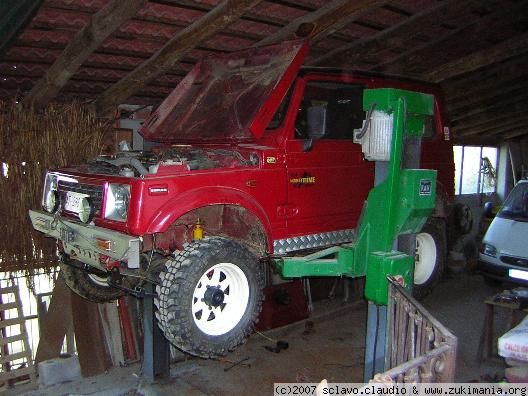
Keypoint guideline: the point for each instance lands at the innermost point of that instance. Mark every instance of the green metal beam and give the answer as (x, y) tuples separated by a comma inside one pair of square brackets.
[(399, 205)]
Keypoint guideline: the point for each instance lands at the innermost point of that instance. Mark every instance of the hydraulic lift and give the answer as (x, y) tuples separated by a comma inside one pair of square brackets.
[(396, 209)]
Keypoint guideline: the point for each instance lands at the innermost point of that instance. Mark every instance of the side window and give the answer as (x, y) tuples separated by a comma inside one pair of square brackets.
[(339, 105)]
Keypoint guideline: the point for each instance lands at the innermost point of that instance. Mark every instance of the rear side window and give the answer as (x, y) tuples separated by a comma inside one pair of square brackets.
[(342, 104)]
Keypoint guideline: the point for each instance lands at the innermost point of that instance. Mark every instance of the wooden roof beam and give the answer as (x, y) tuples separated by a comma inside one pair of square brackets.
[(477, 60), (494, 122), (489, 103), (458, 86), (523, 131), (355, 50), (90, 37), (318, 24), (227, 12), (497, 130), (487, 90), (473, 29)]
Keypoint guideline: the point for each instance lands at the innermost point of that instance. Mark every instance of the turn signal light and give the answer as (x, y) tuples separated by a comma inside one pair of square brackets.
[(103, 244)]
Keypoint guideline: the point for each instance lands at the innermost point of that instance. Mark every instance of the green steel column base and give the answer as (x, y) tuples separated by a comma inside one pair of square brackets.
[(382, 264)]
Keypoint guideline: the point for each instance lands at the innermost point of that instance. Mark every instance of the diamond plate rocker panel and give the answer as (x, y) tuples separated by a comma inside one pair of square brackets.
[(283, 246)]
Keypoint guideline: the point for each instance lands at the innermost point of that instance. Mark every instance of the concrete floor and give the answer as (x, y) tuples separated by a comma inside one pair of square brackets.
[(333, 350)]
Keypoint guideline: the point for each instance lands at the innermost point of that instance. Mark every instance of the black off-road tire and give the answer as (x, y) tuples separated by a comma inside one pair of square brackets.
[(433, 232), (181, 279), (82, 284)]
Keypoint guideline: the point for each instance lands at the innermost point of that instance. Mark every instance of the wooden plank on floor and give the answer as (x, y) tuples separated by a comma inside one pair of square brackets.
[(55, 323), (89, 337)]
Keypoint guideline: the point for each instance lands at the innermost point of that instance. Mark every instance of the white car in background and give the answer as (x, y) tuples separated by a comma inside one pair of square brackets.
[(504, 251)]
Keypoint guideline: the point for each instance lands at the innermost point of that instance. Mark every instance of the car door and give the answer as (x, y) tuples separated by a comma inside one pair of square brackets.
[(328, 179)]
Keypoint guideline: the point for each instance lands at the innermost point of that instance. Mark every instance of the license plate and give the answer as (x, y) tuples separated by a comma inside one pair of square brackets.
[(73, 201), (518, 274)]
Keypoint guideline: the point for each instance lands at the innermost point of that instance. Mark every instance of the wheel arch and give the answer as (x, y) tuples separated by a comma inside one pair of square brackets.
[(219, 209)]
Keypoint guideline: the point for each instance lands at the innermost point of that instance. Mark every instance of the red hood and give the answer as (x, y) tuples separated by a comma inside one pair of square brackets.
[(227, 97)]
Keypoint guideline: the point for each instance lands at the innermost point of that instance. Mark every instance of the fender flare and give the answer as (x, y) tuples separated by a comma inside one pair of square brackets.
[(194, 199)]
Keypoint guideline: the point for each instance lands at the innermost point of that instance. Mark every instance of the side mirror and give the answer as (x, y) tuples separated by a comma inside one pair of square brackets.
[(316, 117), (488, 210)]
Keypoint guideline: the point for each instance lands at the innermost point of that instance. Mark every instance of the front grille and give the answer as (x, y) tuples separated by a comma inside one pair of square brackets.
[(521, 262), (95, 193)]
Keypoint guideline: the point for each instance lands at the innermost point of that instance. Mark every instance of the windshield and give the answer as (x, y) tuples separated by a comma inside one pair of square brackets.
[(225, 95), (516, 205)]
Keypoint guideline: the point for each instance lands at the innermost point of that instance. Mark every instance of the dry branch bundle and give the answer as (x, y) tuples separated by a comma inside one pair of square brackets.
[(31, 143)]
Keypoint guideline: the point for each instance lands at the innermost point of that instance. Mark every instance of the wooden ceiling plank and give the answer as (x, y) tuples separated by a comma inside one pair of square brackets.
[(324, 21), (497, 130), (101, 25), (175, 49), (486, 89), (14, 15), (485, 116), (458, 86), (358, 48), (492, 122), (517, 134), (473, 27), (488, 103), (477, 60)]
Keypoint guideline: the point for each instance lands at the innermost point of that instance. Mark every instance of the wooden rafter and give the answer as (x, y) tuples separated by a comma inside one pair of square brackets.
[(472, 29), (496, 129), (175, 49), (497, 53), (101, 25), (355, 50), (492, 121), (518, 133), (461, 85), (487, 89), (327, 19), (489, 103), (14, 14)]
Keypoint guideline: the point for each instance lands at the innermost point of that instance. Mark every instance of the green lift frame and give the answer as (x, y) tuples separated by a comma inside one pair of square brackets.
[(400, 204)]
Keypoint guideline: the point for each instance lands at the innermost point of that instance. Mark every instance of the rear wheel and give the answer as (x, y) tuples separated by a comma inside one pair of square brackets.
[(210, 297), (429, 258), (93, 287)]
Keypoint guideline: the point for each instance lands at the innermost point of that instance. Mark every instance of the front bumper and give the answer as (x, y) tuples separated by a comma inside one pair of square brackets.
[(500, 272), (83, 241)]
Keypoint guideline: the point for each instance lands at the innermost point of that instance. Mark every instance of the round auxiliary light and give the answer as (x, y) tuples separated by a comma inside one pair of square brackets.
[(86, 210), (51, 202)]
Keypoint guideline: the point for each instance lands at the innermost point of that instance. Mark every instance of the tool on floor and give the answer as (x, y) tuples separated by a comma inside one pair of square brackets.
[(246, 360), (396, 209), (279, 346)]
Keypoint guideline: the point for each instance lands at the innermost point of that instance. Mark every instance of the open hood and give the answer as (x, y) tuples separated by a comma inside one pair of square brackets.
[(227, 97)]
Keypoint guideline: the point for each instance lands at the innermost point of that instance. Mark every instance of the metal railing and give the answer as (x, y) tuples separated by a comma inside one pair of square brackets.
[(419, 347)]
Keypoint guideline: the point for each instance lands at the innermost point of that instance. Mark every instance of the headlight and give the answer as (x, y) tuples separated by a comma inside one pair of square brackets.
[(117, 197), (488, 250), (50, 197)]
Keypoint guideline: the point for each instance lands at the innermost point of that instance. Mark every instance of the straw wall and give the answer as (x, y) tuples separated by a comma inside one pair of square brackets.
[(30, 143)]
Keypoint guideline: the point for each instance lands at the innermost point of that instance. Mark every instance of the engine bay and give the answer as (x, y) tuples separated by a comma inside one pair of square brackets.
[(167, 160)]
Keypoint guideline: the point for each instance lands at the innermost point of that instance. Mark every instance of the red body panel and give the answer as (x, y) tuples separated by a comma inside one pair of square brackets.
[(291, 192)]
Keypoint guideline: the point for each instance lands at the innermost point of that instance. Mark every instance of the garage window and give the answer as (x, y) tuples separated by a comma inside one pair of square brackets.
[(475, 169)]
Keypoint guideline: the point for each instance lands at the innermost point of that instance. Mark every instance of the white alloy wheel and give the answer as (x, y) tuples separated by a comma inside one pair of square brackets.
[(425, 258), (98, 280), (220, 299)]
